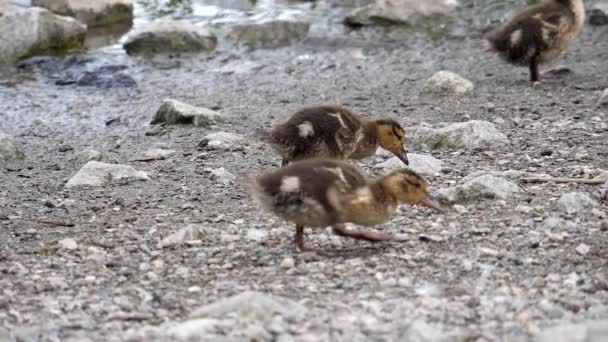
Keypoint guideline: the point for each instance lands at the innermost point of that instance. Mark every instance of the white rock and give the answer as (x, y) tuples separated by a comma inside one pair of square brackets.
[(574, 202), (221, 175), (68, 243), (474, 134), (479, 188), (461, 209), (157, 153), (252, 306), (92, 13), (96, 173), (590, 331), (447, 82), (398, 11), (583, 249), (257, 235), (8, 149), (270, 29), (420, 163), (169, 36), (26, 32), (288, 263), (223, 141), (603, 101), (417, 331), (189, 233), (202, 329), (175, 112)]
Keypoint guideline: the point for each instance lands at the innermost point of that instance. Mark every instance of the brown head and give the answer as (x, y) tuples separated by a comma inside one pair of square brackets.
[(391, 137), (408, 187)]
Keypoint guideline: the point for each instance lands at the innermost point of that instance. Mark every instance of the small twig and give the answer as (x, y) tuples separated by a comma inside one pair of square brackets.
[(593, 181)]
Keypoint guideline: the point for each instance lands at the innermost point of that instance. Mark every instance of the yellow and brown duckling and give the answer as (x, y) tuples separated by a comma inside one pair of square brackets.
[(334, 132), (322, 192), (538, 34)]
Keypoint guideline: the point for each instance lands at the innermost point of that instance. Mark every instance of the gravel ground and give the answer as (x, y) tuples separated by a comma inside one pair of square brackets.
[(493, 269)]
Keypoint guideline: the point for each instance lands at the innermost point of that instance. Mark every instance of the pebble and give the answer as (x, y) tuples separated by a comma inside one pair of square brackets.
[(288, 263), (461, 209), (68, 243), (195, 289), (583, 249)]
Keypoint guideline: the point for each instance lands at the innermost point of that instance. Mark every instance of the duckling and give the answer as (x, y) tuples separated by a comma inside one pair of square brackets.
[(538, 34), (323, 192), (334, 132)]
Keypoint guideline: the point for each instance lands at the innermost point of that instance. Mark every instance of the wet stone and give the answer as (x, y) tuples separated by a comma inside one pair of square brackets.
[(165, 36), (35, 30), (92, 13), (270, 30)]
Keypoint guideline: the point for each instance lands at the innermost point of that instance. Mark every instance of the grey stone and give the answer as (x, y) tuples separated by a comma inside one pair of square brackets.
[(96, 173), (92, 13), (473, 134), (169, 36), (221, 175), (447, 82), (31, 31), (574, 202), (553, 223), (189, 233), (8, 149), (223, 141), (479, 188), (421, 331), (174, 112), (591, 331), (85, 156), (251, 306), (157, 154), (270, 29), (398, 11), (420, 163), (598, 15), (603, 101)]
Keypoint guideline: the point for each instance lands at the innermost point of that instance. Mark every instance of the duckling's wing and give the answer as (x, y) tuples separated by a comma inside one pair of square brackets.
[(298, 192), (318, 131)]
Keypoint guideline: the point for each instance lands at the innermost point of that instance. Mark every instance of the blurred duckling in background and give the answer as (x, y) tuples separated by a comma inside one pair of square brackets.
[(334, 132), (323, 192), (538, 34)]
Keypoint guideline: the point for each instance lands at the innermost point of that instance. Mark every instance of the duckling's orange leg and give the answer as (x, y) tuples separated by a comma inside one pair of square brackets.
[(341, 230), (300, 240)]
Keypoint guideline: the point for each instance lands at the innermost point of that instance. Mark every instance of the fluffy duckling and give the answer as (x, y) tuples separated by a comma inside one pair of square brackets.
[(538, 34), (334, 132), (322, 192)]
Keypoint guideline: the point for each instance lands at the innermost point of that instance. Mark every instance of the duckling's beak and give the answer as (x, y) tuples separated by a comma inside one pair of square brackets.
[(431, 202), (402, 155)]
